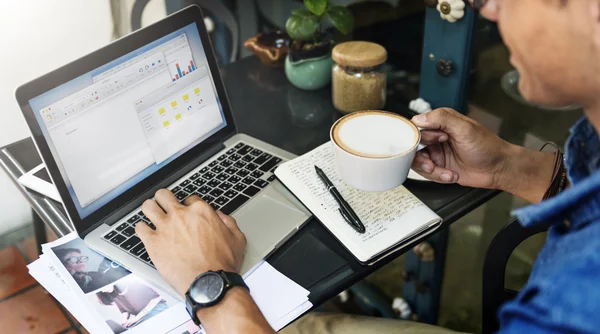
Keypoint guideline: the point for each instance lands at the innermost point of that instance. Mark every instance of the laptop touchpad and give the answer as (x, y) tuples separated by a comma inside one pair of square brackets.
[(266, 221)]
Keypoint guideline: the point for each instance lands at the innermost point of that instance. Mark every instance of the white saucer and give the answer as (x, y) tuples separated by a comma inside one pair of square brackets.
[(416, 177)]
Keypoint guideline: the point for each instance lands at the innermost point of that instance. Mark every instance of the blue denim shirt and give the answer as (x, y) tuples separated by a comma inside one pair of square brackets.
[(563, 291)]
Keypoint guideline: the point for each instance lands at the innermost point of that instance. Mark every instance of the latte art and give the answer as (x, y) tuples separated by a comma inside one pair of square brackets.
[(375, 134)]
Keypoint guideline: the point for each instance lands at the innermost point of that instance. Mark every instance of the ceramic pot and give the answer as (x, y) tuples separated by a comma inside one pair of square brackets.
[(310, 73), (270, 47)]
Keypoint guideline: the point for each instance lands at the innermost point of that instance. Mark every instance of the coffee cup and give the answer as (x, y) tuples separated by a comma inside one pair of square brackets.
[(374, 149)]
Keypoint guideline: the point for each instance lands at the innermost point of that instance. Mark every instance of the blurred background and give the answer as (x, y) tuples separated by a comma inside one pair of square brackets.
[(39, 36)]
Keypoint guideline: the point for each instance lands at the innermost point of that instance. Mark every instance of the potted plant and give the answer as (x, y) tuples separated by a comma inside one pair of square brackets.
[(308, 63)]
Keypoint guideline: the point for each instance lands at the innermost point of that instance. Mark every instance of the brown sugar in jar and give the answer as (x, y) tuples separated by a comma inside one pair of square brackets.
[(358, 83)]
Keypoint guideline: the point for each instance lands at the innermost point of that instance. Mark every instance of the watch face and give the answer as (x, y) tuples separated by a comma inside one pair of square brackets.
[(207, 288)]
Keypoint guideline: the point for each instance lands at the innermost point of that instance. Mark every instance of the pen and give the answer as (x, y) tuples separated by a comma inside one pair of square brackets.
[(345, 210)]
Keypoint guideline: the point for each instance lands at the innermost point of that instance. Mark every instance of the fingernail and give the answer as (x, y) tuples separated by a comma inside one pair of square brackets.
[(454, 177), (443, 138), (425, 154), (420, 119), (426, 168), (445, 177)]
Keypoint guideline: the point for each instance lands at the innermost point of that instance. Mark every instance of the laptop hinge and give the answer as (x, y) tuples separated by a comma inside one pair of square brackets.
[(149, 193)]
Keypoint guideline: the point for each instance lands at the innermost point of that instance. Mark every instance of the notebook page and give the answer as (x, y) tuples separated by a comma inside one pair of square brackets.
[(388, 217)]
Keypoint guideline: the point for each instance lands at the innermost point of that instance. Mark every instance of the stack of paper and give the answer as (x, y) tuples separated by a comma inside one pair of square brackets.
[(106, 298)]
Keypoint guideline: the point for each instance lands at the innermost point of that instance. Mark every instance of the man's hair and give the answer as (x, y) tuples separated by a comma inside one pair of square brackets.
[(63, 252), (107, 298)]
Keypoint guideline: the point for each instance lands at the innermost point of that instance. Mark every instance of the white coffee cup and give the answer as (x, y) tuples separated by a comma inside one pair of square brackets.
[(374, 149)]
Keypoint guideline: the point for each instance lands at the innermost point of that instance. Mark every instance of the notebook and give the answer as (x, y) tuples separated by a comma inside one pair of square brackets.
[(392, 219)]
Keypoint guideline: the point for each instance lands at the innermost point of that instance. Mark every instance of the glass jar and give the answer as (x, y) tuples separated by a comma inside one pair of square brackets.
[(358, 82)]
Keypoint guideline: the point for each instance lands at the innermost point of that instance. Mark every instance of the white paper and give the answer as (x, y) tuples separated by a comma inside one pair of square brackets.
[(280, 299), (389, 217)]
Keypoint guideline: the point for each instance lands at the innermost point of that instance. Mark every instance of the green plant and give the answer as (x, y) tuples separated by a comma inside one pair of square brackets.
[(306, 24)]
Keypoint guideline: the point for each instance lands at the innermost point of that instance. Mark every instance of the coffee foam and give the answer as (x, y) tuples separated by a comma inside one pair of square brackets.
[(375, 134)]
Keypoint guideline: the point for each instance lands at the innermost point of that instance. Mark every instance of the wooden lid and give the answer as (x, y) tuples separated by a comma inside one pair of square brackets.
[(359, 54)]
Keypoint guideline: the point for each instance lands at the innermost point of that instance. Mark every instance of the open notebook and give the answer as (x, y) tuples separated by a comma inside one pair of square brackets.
[(391, 218)]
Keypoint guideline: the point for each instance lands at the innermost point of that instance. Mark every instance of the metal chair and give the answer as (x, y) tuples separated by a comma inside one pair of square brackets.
[(216, 8), (494, 293)]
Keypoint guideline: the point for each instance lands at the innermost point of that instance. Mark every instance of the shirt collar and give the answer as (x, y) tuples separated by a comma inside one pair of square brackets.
[(581, 202)]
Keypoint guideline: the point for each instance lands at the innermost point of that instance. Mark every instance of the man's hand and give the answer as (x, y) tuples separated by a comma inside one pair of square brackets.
[(190, 239), (460, 150)]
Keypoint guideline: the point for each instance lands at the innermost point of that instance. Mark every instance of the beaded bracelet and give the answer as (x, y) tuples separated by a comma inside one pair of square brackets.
[(558, 183)]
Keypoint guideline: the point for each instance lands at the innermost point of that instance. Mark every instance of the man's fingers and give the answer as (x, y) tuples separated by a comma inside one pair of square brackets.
[(153, 212), (191, 200), (428, 169), (166, 200), (145, 233), (229, 222), (444, 119), (432, 137)]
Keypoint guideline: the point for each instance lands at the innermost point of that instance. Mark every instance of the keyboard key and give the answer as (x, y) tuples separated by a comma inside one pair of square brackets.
[(272, 178), (221, 200), (213, 163), (239, 145), (122, 227), (176, 189), (226, 163), (190, 188), (199, 182), (145, 257), (138, 250), (184, 183), (230, 152), (181, 195), (262, 159), (234, 204), (248, 180), (204, 170), (215, 206), (251, 191), (118, 239), (204, 190), (222, 177), (213, 183), (234, 179), (230, 193), (217, 169), (261, 183), (226, 185), (256, 152), (273, 169), (142, 215), (216, 192), (109, 235), (242, 173), (208, 198), (251, 167), (132, 219), (194, 176), (247, 158), (245, 150), (130, 243), (135, 223), (257, 174), (235, 157), (239, 187), (231, 170), (221, 158), (270, 164), (239, 164), (129, 231), (208, 175)]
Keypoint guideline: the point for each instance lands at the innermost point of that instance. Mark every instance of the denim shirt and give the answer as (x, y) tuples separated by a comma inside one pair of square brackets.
[(563, 291)]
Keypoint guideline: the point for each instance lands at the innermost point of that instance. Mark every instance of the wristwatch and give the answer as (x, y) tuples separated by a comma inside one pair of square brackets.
[(208, 289)]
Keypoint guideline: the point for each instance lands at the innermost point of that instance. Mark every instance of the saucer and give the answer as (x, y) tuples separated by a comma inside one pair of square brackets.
[(417, 177)]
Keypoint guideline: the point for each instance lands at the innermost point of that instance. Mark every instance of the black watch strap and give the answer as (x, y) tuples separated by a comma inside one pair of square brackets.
[(234, 279)]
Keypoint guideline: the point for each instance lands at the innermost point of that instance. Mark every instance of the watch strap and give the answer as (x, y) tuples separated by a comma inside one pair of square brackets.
[(233, 279)]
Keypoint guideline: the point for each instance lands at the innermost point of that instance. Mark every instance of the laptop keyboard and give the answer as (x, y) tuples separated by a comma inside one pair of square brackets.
[(226, 183)]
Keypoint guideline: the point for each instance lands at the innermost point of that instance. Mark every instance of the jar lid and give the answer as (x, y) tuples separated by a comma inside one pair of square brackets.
[(359, 54)]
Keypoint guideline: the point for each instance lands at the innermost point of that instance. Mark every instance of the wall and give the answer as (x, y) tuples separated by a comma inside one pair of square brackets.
[(37, 37)]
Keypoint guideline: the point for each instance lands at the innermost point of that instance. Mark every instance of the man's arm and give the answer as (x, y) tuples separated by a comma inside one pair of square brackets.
[(191, 239)]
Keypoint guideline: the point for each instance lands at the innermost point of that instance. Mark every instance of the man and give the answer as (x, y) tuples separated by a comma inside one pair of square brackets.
[(555, 45)]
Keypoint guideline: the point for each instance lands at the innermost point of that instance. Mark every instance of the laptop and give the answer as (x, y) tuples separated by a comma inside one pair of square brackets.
[(150, 111)]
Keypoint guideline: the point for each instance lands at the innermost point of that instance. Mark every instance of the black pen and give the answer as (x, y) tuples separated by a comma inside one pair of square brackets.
[(345, 210)]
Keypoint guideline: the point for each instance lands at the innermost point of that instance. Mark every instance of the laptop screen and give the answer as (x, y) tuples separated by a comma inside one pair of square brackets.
[(116, 125)]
